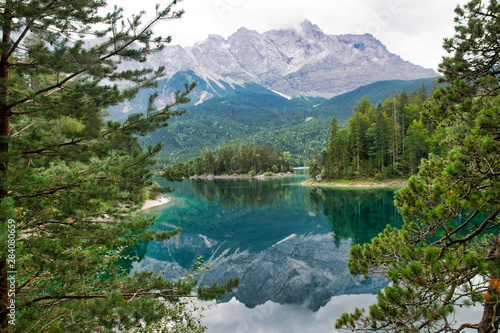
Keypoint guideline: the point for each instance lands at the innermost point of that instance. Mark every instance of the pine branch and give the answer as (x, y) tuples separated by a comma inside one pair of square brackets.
[(56, 86), (149, 154), (464, 326), (137, 36), (22, 130), (48, 192), (124, 295), (108, 178), (447, 237), (31, 278), (116, 52), (475, 232), (42, 150), (164, 112), (25, 32), (21, 64)]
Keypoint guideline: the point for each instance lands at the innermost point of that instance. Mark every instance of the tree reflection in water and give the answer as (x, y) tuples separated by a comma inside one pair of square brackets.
[(273, 233)]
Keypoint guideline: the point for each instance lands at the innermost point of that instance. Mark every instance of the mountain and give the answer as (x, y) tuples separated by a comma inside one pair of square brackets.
[(211, 95), (376, 93), (305, 270), (300, 61), (282, 87)]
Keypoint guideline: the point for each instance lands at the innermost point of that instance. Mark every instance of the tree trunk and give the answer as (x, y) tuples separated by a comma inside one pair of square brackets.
[(5, 113), (4, 99), (491, 314)]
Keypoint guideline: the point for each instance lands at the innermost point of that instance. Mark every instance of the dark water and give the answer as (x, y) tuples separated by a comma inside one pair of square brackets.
[(288, 243)]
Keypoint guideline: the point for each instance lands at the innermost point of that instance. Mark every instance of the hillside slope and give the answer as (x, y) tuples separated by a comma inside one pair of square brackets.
[(255, 115)]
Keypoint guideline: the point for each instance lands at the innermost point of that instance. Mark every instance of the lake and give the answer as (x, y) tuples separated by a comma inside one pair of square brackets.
[(288, 243)]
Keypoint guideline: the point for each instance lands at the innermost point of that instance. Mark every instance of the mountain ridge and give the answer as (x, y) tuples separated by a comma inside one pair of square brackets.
[(270, 88), (294, 62)]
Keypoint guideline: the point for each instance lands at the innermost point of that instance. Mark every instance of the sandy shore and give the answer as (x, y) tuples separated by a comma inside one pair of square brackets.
[(154, 203), (395, 183)]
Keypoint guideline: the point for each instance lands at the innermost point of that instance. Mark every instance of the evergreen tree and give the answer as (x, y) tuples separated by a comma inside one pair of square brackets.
[(416, 145), (209, 162), (376, 140), (448, 252), (64, 169), (358, 124), (314, 168), (331, 155)]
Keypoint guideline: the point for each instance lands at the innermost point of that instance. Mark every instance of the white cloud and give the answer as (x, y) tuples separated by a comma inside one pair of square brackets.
[(275, 318), (412, 29)]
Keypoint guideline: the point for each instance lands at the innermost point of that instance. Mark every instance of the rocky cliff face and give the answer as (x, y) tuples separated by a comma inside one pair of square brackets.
[(302, 61), (302, 270)]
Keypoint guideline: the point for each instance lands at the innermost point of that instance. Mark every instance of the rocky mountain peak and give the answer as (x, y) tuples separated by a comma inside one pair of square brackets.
[(244, 32), (294, 61), (214, 38), (311, 29)]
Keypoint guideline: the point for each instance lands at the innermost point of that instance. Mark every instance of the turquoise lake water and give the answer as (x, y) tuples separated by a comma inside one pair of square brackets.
[(288, 243)]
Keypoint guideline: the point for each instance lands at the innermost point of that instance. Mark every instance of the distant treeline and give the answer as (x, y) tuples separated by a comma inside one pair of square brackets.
[(236, 159), (386, 140)]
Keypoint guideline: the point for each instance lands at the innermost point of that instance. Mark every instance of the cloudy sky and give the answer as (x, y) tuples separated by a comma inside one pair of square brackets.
[(410, 28)]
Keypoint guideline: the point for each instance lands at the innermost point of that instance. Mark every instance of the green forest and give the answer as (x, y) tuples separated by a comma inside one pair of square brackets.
[(257, 116), (252, 160), (382, 141)]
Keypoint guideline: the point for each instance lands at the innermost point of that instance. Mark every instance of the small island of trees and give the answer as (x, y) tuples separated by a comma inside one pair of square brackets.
[(383, 141), (248, 160)]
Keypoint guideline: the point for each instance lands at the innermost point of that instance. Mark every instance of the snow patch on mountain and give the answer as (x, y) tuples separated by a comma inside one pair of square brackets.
[(292, 62), (282, 95)]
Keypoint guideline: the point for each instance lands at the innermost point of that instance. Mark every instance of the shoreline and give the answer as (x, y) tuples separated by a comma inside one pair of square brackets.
[(159, 201), (354, 184), (243, 176)]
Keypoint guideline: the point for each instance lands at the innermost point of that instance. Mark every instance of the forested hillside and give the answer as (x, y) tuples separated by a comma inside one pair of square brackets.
[(257, 116), (384, 140)]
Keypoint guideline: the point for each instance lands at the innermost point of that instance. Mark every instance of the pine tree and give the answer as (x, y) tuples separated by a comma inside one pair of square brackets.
[(64, 168), (416, 146), (378, 135), (314, 168), (331, 155), (209, 162), (447, 254), (358, 125)]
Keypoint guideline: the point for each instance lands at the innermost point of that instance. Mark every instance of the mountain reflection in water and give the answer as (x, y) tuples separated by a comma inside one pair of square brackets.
[(288, 243)]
